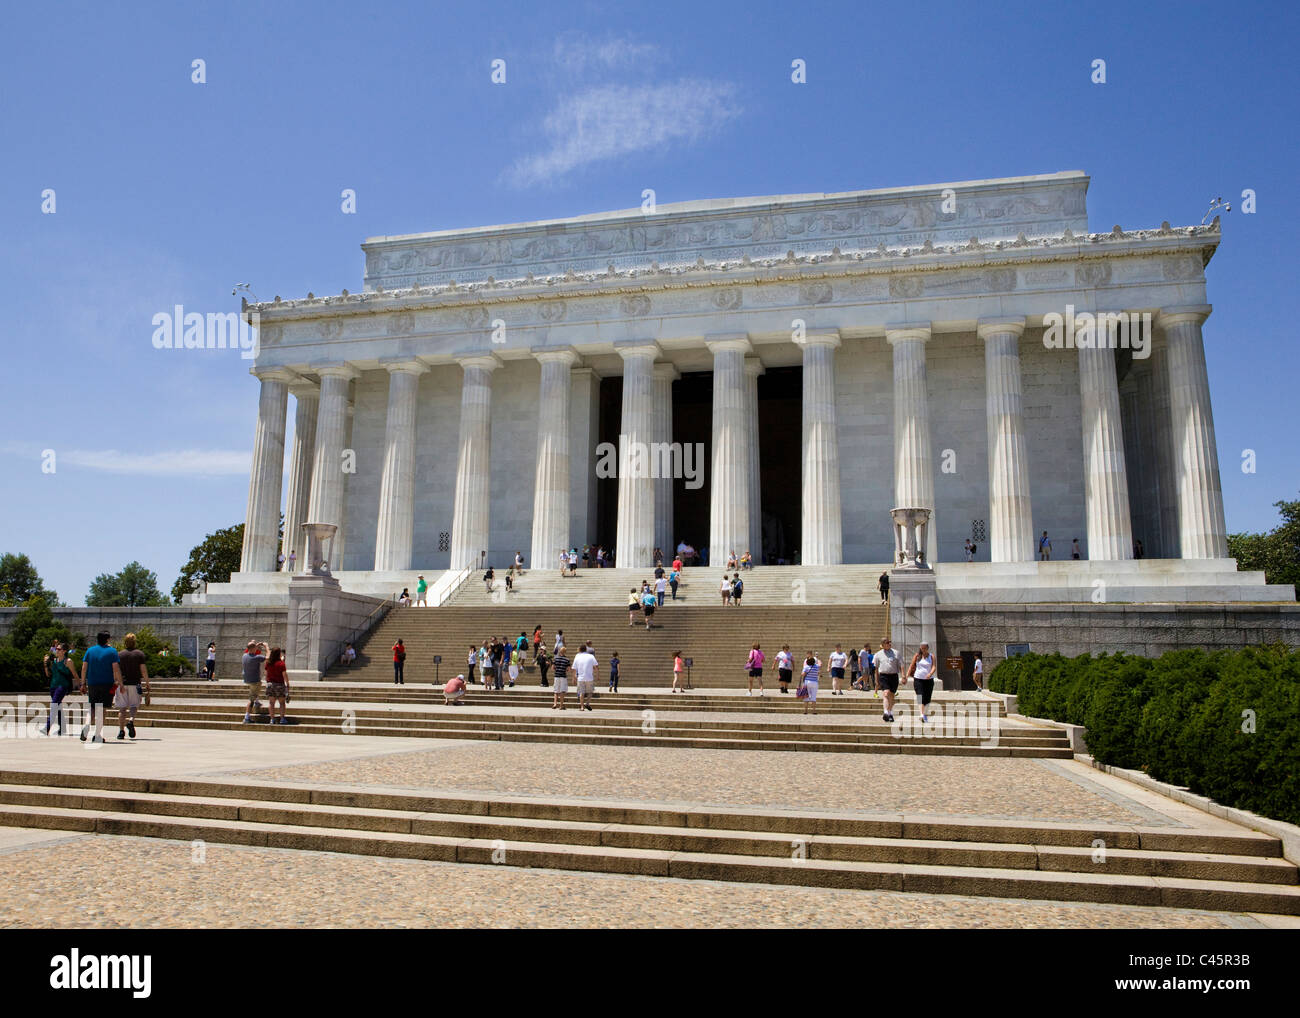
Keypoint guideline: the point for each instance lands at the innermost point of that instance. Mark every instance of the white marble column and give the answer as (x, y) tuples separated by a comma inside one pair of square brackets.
[(1201, 527), (822, 540), (729, 482), (636, 506), (1011, 521), (551, 487), (754, 368), (1110, 528), (471, 514), (307, 397), (262, 520), (664, 376), (327, 479), (913, 453), (395, 531)]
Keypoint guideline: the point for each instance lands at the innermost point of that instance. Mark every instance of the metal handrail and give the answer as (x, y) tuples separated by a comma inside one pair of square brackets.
[(369, 622)]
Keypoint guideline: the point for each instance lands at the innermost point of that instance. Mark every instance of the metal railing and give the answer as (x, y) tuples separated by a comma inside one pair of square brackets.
[(376, 615)]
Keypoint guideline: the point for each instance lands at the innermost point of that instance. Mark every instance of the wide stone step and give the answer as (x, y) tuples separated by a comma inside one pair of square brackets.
[(973, 868)]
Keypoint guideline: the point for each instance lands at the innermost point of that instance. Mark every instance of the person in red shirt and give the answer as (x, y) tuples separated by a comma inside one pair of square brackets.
[(454, 690), (677, 564), (277, 685), (399, 664)]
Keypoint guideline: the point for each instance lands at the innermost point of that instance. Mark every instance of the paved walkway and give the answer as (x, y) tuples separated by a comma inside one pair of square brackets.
[(167, 885)]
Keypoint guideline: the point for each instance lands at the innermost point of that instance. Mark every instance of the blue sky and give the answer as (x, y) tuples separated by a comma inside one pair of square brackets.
[(170, 192)]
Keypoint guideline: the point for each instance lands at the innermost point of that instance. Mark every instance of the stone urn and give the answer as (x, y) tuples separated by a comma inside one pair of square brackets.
[(320, 546), (910, 525)]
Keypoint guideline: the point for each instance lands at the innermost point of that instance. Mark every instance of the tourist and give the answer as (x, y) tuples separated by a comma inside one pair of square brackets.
[(584, 669), (573, 562), (405, 599), (677, 563), (538, 637), (883, 586), (1075, 551), (510, 582), (724, 589), (614, 665), (277, 686), (586, 559), (1044, 547), (633, 606), (543, 663), (421, 592), (100, 671), (254, 657), (58, 670), (212, 662), (399, 663), (809, 681), (349, 655), (674, 578), (127, 698), (648, 606), (754, 668), (454, 690), (747, 560), (657, 556), (471, 661), (559, 641), (564, 563), (855, 669), (887, 665), (485, 664), (922, 671), (970, 550), (1138, 550), (279, 562), (293, 558), (499, 662), (519, 563), (661, 590), (489, 578), (737, 589), (784, 667), (516, 659), (561, 678), (838, 660), (678, 667), (977, 673), (867, 667), (732, 562)]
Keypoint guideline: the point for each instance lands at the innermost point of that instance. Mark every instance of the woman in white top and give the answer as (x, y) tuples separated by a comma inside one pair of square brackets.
[(811, 671), (724, 588), (838, 661), (922, 671), (784, 667)]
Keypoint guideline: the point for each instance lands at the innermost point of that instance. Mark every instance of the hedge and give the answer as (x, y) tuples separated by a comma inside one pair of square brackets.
[(1225, 724)]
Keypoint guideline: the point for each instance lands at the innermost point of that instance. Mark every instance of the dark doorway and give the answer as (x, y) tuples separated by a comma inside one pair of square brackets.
[(968, 668), (780, 451), (609, 420), (693, 423)]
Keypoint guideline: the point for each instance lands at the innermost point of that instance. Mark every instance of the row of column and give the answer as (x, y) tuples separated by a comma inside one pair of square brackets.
[(316, 476)]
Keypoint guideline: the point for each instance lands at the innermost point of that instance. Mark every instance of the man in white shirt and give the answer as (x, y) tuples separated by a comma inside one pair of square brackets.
[(978, 673), (661, 588), (584, 670), (887, 668)]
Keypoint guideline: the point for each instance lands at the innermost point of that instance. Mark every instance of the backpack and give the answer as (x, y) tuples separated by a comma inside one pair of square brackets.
[(974, 548)]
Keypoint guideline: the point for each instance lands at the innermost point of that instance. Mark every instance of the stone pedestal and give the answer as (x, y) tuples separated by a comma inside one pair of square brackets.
[(912, 619)]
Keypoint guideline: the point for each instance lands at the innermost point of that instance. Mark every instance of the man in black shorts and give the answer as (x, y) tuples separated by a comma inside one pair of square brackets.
[(887, 668)]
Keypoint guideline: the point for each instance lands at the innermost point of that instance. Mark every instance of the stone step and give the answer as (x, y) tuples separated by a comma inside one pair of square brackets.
[(1002, 870)]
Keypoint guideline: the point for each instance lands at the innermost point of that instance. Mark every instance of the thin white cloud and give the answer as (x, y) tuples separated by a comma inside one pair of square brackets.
[(173, 463), (609, 121), (576, 52)]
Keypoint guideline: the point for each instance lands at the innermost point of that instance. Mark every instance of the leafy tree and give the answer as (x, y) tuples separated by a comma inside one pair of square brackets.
[(134, 587), (20, 582), (211, 562), (1277, 553), (23, 650)]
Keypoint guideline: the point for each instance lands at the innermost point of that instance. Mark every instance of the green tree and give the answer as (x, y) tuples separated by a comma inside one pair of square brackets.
[(20, 582), (211, 562), (1277, 553), (23, 650), (134, 587)]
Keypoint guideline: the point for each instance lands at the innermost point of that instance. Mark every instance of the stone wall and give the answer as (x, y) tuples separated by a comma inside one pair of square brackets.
[(230, 627), (1150, 630)]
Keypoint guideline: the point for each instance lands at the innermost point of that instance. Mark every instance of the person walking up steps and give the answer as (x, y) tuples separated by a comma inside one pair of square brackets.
[(674, 578), (421, 592), (809, 681), (784, 667), (254, 657), (399, 664), (883, 586), (614, 665), (754, 666), (561, 678), (538, 639), (648, 606), (127, 698), (838, 660), (633, 606), (887, 665), (922, 671)]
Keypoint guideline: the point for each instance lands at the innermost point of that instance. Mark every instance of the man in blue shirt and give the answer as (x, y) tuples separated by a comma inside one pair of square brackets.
[(100, 672)]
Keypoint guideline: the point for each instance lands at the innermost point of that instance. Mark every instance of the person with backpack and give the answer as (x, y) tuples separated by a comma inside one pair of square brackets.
[(737, 590), (754, 667), (399, 663), (58, 669)]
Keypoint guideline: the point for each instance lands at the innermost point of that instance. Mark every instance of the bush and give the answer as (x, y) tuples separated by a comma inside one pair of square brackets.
[(1224, 724)]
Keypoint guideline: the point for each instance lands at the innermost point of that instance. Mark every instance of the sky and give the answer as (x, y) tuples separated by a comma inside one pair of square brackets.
[(170, 191)]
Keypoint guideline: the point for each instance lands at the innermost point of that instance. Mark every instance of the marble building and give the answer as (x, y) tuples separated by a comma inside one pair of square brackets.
[(833, 356)]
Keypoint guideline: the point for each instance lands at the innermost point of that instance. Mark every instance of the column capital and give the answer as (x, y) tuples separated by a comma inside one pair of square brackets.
[(484, 361), (1013, 324), (626, 348), (898, 332), (1181, 313), (304, 389), (820, 337), (666, 371), (754, 366), (403, 365), (275, 375), (728, 341), (579, 370), (335, 369), (555, 354)]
